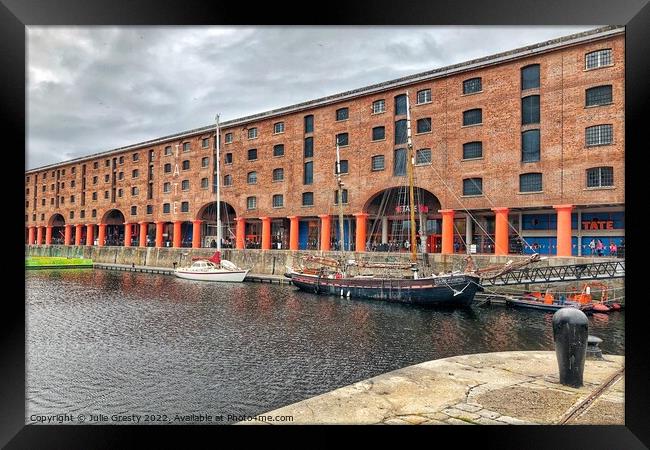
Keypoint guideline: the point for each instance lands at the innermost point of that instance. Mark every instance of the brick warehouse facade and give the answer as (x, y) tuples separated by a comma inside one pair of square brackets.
[(528, 141)]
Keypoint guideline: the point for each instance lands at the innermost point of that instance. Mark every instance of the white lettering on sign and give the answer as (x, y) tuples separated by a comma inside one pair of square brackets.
[(175, 207), (177, 150), (176, 172), (175, 188)]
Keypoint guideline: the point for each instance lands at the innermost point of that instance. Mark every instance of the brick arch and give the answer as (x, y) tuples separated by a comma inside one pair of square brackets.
[(111, 217), (56, 220), (428, 197), (208, 211)]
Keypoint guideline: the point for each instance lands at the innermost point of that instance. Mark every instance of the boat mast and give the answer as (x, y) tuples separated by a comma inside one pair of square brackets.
[(218, 161), (409, 168), (340, 194)]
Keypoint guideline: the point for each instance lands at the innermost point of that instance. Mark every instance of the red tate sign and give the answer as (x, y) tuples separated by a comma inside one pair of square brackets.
[(598, 225), (407, 209)]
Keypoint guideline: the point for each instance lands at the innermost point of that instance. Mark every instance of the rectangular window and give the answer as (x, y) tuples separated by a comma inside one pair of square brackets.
[(252, 133), (600, 177), (82, 214), (278, 201), (136, 156), (167, 168), (228, 158), (309, 147), (134, 190), (599, 58), (344, 166), (186, 164), (342, 139), (227, 180), (251, 202), (400, 132), (167, 188), (168, 150), (134, 210), (185, 206), (530, 109), (107, 163), (205, 142), (400, 105), (472, 85), (399, 162), (278, 150), (344, 194), (94, 195), (473, 150), (121, 159), (152, 155), (186, 146), (106, 179), (309, 124), (472, 117), (599, 95), (378, 106), (378, 133), (424, 125), (205, 161), (530, 146), (149, 209), (251, 178), (423, 156), (530, 77), (204, 183), (473, 186), (166, 208), (530, 182), (308, 176), (105, 194), (599, 135), (252, 154), (278, 174), (278, 127), (95, 166), (342, 114), (185, 185), (228, 138), (424, 96), (72, 214), (307, 198), (135, 173), (72, 199)]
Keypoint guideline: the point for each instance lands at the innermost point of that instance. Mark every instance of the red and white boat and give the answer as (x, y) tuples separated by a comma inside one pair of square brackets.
[(212, 269)]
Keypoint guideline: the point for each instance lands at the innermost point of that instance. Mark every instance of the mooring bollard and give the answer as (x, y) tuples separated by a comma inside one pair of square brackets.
[(593, 351), (570, 331)]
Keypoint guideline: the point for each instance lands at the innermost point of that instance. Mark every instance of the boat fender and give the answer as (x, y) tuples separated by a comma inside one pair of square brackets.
[(348, 294), (601, 308)]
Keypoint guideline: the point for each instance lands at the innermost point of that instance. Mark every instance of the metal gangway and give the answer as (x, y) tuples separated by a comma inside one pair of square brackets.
[(550, 274)]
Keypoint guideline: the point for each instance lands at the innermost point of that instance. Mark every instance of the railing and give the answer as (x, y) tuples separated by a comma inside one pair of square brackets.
[(529, 275)]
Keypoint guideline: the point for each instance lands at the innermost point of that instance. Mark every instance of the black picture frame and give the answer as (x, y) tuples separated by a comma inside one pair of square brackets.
[(16, 15)]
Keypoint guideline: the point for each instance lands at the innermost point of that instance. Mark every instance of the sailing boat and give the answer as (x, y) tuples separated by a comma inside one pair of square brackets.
[(214, 268), (335, 277)]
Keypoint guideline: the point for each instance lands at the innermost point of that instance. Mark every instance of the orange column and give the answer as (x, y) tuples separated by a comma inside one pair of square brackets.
[(68, 235), (266, 233), (325, 232), (563, 229), (177, 234), (501, 231), (196, 233), (241, 231), (39, 235), (48, 235), (32, 236), (77, 234), (361, 231), (127, 234), (447, 231), (90, 234), (143, 233), (101, 237), (159, 234), (293, 232)]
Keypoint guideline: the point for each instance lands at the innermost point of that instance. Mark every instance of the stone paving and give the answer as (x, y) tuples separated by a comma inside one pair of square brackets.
[(506, 388)]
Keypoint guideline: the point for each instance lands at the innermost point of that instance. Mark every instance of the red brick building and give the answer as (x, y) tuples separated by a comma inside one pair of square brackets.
[(527, 142)]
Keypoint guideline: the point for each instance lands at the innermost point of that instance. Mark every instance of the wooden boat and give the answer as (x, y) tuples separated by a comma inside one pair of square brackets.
[(544, 303)]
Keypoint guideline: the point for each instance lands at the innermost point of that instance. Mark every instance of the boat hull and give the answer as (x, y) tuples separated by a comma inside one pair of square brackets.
[(533, 304), (444, 291), (224, 275)]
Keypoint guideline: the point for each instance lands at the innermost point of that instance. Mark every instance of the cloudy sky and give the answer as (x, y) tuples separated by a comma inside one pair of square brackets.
[(92, 89)]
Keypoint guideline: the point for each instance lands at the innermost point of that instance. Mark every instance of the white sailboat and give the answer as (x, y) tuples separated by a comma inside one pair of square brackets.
[(214, 268)]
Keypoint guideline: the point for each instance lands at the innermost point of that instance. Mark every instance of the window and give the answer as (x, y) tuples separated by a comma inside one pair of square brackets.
[(307, 199), (308, 175), (185, 206), (599, 135), (94, 195), (600, 177), (344, 166), (309, 147), (72, 214), (378, 106), (472, 85), (228, 138), (107, 164), (204, 183), (93, 213), (168, 168), (95, 166), (134, 210), (82, 214), (251, 202), (186, 164), (251, 178), (530, 148), (400, 132), (344, 194), (599, 58), (342, 114), (52, 186), (530, 182), (530, 109), (227, 180), (72, 199), (186, 146), (278, 174), (472, 117), (473, 150), (599, 95), (167, 188), (134, 190), (400, 105), (121, 159), (166, 208), (228, 158), (44, 175), (63, 172), (399, 162), (309, 124), (424, 96), (43, 187), (105, 194), (342, 139), (106, 179), (42, 216), (278, 150), (205, 161), (43, 202), (135, 173), (63, 185), (278, 127), (252, 154), (473, 186), (120, 192), (423, 156), (27, 204), (185, 185), (168, 150), (136, 156), (252, 133), (530, 77), (424, 125), (378, 133), (152, 155), (149, 209), (278, 201), (205, 142)]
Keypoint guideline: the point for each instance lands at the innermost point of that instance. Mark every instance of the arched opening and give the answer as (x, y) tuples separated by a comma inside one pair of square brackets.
[(389, 220), (114, 221), (208, 214), (57, 222)]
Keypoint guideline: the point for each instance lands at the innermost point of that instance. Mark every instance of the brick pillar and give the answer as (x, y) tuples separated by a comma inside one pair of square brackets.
[(90, 234), (39, 235), (143, 233), (32, 235), (362, 219), (447, 231), (128, 231), (177, 234), (196, 233), (101, 237), (266, 233), (159, 234), (563, 229), (293, 232), (240, 233), (325, 232), (77, 234), (67, 238), (501, 231)]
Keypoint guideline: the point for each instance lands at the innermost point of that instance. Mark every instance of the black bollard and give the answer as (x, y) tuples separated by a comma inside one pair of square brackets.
[(570, 331)]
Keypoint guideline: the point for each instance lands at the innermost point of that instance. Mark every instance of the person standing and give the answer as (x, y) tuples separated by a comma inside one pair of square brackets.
[(592, 247), (600, 247), (612, 249)]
